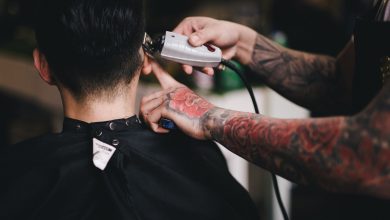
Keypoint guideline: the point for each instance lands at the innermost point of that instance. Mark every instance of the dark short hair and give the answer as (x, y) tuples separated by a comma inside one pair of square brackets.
[(90, 45)]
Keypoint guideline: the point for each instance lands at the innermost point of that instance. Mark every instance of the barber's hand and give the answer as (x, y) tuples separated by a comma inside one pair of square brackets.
[(177, 103), (235, 40)]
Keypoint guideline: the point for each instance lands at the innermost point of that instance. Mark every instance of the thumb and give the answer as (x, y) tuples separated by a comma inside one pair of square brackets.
[(166, 81), (203, 36)]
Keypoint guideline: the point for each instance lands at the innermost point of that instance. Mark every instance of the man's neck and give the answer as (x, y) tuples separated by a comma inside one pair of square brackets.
[(97, 109)]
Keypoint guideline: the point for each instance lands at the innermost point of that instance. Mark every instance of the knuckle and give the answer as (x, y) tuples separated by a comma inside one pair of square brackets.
[(201, 32), (142, 109), (164, 112), (166, 104), (187, 19), (143, 100), (154, 127), (160, 100)]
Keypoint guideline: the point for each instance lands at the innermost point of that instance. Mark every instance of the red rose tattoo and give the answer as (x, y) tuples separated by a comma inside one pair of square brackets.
[(186, 102), (348, 154)]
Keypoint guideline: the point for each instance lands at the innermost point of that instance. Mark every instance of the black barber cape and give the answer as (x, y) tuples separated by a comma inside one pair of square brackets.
[(149, 176)]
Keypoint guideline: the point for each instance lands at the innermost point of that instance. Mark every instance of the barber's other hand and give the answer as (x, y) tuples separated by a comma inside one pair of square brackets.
[(235, 40), (177, 103)]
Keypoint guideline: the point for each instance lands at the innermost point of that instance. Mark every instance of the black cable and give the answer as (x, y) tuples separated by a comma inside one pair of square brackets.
[(275, 184), (233, 67), (278, 196)]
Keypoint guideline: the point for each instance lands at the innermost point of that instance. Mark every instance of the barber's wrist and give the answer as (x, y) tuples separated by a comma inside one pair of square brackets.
[(245, 45), (212, 123)]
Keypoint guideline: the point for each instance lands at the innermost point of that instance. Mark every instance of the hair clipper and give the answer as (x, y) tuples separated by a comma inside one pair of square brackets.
[(175, 47)]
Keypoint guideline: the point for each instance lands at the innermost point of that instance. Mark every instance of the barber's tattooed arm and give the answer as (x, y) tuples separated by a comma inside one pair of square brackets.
[(312, 81), (347, 154)]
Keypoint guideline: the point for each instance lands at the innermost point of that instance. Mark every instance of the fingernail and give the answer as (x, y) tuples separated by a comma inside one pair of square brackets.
[(194, 39), (187, 70)]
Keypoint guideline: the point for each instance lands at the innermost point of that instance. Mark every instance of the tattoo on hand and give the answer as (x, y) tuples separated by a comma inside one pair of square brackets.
[(184, 101)]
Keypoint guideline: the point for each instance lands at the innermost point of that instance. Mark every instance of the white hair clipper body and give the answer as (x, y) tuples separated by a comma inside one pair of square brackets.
[(175, 47)]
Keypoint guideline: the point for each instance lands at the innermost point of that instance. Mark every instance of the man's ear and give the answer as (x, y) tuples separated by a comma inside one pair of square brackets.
[(146, 66), (42, 66)]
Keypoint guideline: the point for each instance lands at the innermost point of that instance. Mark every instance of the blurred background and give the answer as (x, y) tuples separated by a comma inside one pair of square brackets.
[(29, 107)]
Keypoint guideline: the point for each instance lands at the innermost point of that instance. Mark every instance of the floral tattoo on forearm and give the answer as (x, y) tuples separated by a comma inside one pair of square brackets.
[(312, 81), (348, 154)]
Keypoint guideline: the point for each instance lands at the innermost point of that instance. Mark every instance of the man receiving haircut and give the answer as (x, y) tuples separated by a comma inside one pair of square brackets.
[(105, 164)]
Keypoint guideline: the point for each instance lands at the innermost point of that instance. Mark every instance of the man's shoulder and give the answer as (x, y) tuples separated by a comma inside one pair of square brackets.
[(36, 140), (27, 144), (37, 149), (52, 167), (39, 160)]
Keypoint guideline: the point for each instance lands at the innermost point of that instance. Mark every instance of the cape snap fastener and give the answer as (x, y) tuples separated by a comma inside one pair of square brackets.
[(112, 126), (98, 133), (115, 142)]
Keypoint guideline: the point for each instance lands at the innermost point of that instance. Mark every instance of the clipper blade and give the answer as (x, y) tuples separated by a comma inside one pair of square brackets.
[(147, 45)]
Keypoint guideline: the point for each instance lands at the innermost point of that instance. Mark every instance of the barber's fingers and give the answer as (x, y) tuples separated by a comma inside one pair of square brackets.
[(151, 111), (229, 53), (149, 105), (200, 30), (152, 96), (188, 69), (153, 119), (204, 35), (190, 24), (166, 81), (198, 27), (207, 70)]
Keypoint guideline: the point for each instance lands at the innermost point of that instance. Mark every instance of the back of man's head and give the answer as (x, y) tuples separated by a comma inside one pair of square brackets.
[(90, 45)]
